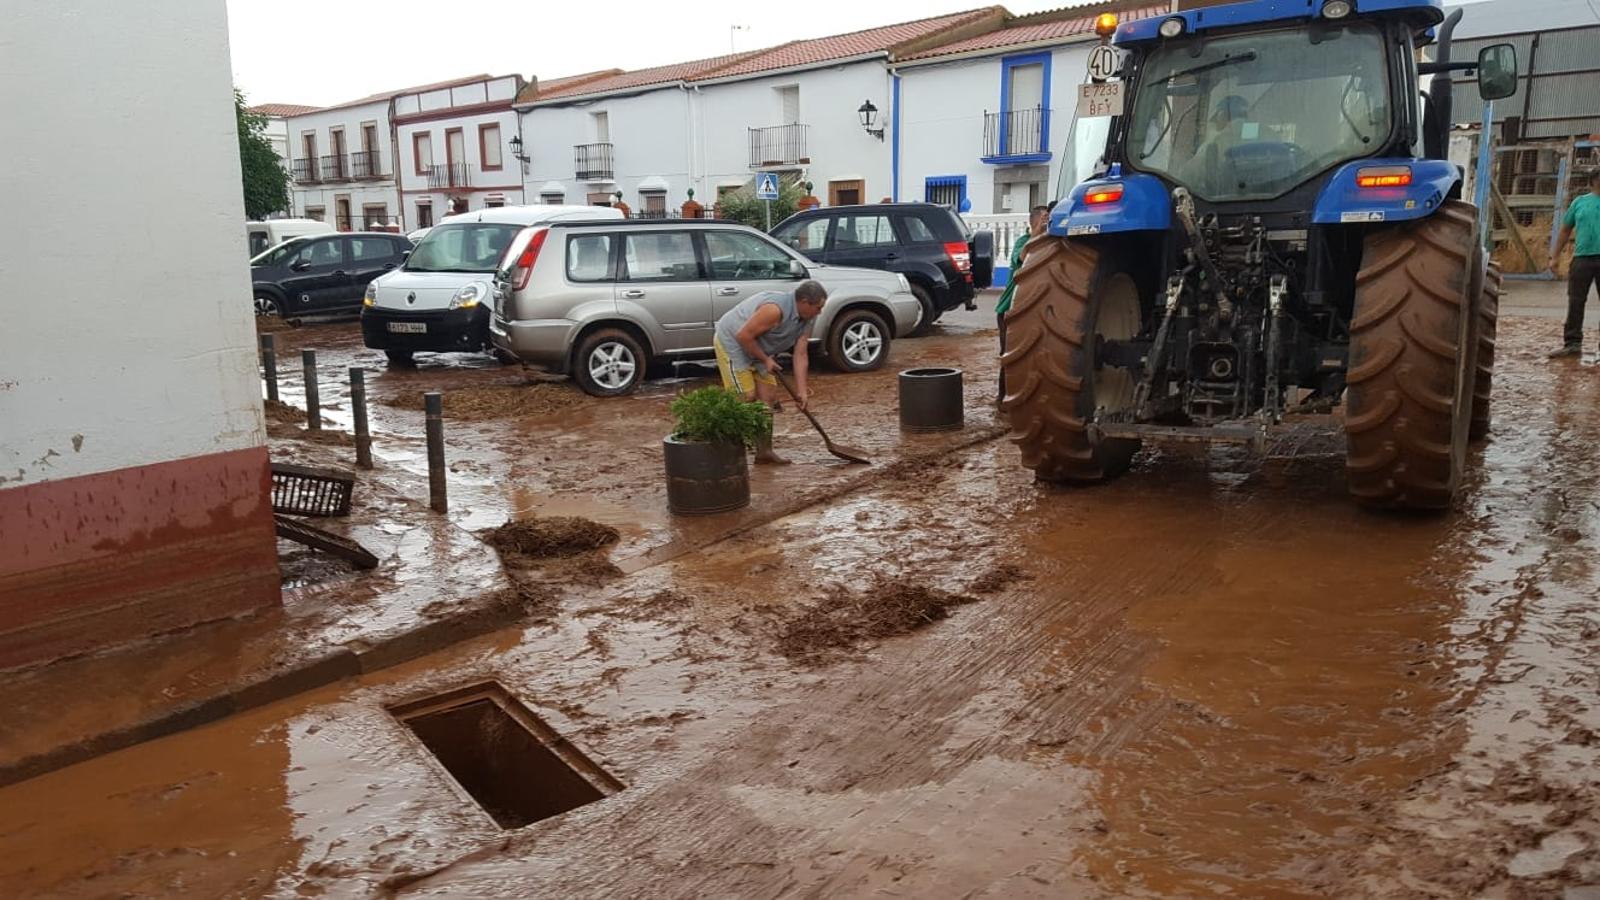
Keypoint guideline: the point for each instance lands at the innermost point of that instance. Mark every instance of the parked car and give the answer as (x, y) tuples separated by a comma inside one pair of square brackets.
[(438, 301), (945, 262), (270, 233), (324, 273), (603, 300)]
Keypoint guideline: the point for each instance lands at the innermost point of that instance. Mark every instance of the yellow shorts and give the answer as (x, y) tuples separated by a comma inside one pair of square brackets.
[(742, 380)]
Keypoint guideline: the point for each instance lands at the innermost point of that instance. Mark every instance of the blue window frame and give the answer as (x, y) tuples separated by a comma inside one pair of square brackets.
[(1007, 151), (946, 189)]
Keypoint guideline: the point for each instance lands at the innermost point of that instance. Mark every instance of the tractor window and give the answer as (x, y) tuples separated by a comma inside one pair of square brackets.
[(1252, 116)]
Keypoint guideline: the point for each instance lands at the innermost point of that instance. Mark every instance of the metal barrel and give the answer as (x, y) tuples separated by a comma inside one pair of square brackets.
[(308, 363), (358, 410), (930, 400), (433, 405)]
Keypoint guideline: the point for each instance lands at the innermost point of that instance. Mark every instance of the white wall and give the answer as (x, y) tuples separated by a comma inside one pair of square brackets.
[(322, 122), (114, 352), (941, 119), (649, 136), (506, 182)]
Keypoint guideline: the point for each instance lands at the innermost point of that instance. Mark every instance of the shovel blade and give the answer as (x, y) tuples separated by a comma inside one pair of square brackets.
[(851, 454)]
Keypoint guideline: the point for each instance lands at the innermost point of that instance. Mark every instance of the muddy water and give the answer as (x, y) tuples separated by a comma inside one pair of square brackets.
[(1218, 677)]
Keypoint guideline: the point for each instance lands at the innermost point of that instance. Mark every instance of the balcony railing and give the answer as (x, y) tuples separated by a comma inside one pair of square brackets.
[(449, 175), (778, 145), (592, 162), (366, 164), (1017, 132), (335, 168), (305, 170)]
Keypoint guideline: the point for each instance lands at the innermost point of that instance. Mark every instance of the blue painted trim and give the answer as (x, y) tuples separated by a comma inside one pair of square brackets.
[(1007, 63), (1023, 159), (1431, 181), (1259, 12), (894, 146), (1144, 206), (933, 181)]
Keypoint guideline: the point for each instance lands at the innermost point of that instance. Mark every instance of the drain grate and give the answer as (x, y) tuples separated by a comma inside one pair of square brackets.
[(515, 766)]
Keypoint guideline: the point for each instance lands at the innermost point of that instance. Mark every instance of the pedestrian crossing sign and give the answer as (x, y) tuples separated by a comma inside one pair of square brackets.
[(767, 186)]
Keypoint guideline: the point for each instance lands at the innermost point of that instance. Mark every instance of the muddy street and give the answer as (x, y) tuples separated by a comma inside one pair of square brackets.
[(1215, 675)]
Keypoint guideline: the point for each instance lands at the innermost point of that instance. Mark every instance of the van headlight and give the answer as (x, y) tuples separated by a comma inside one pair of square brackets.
[(371, 296), (469, 296)]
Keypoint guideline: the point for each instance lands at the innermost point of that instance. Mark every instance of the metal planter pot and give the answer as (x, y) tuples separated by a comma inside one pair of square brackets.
[(930, 400), (705, 478)]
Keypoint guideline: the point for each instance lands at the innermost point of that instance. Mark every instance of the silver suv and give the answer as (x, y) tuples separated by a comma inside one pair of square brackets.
[(603, 300)]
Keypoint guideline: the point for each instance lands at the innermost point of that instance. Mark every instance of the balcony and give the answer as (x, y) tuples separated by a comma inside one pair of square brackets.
[(450, 175), (778, 146), (592, 162), (1016, 136), (335, 168), (305, 171), (366, 164)]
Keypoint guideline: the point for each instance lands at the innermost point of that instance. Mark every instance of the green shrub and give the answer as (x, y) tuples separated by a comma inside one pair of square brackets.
[(742, 206), (713, 414)]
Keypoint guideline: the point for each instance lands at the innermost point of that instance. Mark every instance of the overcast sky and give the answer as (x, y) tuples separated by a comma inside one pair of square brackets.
[(322, 52)]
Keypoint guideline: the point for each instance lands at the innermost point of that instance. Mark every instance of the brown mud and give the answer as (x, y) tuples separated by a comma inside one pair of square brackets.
[(477, 404), (845, 619)]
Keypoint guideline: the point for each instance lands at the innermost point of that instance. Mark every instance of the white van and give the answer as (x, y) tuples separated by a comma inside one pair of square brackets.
[(265, 235), (439, 299)]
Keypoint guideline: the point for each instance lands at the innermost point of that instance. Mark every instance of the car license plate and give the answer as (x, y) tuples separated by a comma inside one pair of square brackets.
[(409, 327), (1096, 100)]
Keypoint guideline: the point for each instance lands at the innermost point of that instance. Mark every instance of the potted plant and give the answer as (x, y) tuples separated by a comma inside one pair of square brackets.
[(707, 471)]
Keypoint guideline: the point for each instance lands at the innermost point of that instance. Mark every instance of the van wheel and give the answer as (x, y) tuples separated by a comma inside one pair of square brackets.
[(267, 306), (400, 359), (859, 341), (609, 363), (929, 314)]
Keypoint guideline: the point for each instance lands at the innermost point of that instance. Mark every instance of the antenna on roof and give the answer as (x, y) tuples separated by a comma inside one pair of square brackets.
[(731, 30)]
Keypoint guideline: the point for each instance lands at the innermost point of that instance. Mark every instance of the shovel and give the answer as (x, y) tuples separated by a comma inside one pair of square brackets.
[(850, 454)]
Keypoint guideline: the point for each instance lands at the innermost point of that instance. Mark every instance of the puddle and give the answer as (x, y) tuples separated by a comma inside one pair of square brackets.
[(519, 769)]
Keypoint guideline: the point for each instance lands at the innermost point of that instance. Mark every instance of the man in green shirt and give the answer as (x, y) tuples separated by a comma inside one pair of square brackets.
[(1038, 220), (1582, 218)]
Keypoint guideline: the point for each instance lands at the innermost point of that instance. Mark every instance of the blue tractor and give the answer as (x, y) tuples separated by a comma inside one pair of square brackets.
[(1271, 226)]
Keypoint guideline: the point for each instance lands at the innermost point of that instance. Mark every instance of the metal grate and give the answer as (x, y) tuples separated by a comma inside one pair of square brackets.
[(308, 491)]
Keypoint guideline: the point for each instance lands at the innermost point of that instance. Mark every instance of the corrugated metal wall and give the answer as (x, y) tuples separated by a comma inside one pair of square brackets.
[(1563, 83)]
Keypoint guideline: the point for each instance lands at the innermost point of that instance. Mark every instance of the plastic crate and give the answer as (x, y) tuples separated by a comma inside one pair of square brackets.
[(308, 491)]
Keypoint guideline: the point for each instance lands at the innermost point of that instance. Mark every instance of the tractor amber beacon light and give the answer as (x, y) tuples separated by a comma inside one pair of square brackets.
[(1105, 24)]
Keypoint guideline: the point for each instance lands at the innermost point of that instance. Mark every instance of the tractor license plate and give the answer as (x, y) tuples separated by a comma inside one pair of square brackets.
[(409, 327), (1096, 100)]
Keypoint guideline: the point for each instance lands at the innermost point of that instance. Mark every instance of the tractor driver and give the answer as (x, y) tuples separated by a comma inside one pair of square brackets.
[(1226, 131)]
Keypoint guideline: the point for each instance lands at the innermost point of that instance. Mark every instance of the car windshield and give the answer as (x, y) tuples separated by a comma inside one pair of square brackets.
[(464, 247), (278, 255), (1252, 116)]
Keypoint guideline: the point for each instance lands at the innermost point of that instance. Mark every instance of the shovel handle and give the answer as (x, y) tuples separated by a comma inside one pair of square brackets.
[(783, 380)]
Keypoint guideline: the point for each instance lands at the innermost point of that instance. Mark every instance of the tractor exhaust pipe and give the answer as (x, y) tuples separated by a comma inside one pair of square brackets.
[(1441, 90)]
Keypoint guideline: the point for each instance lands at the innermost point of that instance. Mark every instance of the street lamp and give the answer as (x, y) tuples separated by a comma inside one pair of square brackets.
[(516, 149), (869, 114)]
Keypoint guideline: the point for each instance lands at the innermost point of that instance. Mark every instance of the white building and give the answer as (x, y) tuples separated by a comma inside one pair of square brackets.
[(343, 161), (276, 129), (457, 148), (134, 482)]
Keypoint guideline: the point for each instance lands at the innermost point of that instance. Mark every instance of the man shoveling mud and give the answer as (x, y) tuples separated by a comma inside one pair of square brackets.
[(751, 335)]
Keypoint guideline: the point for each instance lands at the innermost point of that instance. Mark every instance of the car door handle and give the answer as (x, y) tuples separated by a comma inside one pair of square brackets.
[(889, 256), (633, 294), (727, 291), (340, 272)]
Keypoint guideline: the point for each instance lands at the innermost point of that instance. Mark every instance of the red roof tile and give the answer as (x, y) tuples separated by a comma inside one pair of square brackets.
[(1023, 32), (279, 110), (573, 86), (884, 39)]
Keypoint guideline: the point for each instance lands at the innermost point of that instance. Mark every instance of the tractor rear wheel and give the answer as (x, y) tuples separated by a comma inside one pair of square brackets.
[(1488, 322), (1413, 347), (1068, 297)]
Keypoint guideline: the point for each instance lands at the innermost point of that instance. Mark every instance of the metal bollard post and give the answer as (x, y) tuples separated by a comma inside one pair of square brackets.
[(308, 362), (433, 404), (358, 409), (269, 365)]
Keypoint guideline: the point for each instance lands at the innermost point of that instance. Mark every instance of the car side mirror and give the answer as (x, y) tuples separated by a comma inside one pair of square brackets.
[(299, 265), (797, 269), (405, 255), (1497, 71)]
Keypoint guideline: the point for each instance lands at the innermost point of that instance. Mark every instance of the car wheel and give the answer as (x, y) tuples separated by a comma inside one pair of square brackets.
[(859, 341), (267, 306), (400, 359), (929, 314), (609, 363)]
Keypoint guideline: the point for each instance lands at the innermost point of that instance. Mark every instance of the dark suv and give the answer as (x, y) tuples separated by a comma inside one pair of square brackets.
[(929, 244), (322, 273)]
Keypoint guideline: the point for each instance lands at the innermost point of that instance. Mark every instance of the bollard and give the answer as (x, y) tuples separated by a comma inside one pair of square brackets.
[(358, 409), (308, 362), (433, 404), (269, 365)]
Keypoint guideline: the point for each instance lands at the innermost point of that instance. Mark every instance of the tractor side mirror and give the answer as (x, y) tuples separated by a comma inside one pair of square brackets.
[(1497, 71)]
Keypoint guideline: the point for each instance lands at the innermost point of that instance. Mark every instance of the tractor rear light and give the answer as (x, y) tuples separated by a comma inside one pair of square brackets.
[(1337, 9), (1383, 177), (960, 257), (523, 270), (1106, 193)]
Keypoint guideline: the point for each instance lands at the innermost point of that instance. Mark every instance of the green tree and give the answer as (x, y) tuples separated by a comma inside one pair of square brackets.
[(266, 184)]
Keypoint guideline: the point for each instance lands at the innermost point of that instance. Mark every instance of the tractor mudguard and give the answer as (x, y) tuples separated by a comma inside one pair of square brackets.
[(1143, 206), (1342, 201)]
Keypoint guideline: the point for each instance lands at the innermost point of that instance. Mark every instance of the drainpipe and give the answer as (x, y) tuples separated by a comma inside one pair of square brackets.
[(394, 170), (894, 141)]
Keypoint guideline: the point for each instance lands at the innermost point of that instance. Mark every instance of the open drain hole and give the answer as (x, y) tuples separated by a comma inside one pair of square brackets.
[(515, 766)]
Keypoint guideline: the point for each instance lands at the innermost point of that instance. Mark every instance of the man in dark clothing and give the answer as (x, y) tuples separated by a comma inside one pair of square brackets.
[(1582, 219)]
